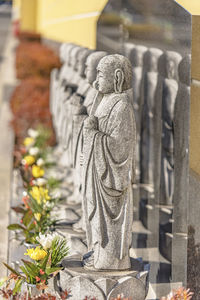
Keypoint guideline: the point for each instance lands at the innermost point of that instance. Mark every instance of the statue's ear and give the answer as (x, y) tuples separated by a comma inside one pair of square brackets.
[(118, 81)]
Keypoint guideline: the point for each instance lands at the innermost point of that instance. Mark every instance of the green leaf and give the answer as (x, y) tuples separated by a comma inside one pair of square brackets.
[(12, 270), (44, 262), (15, 227), (31, 226), (27, 218), (18, 285), (31, 268), (35, 207), (52, 270), (24, 271)]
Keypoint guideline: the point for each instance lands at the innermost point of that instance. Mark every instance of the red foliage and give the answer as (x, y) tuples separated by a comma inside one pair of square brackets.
[(28, 36), (30, 107), (35, 59)]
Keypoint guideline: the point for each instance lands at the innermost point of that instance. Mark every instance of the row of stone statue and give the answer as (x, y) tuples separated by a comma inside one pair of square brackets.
[(161, 95), (91, 105), (94, 98)]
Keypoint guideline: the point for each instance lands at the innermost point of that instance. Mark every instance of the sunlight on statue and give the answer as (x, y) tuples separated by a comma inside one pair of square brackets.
[(109, 153)]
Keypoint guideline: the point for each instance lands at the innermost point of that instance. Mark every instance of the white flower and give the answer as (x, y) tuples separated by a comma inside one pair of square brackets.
[(25, 193), (23, 162), (33, 133), (41, 181), (46, 239), (34, 151), (48, 204), (40, 162)]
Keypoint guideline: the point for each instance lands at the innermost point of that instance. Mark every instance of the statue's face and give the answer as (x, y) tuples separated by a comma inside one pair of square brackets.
[(170, 69), (105, 80), (81, 62), (90, 71)]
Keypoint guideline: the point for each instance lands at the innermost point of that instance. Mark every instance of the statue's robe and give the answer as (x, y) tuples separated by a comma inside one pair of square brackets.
[(170, 90), (92, 96), (107, 177), (68, 121), (77, 138)]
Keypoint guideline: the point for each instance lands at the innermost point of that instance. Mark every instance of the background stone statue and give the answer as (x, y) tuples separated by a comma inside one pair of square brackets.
[(66, 75), (181, 145), (136, 58), (150, 83), (57, 78), (67, 119), (171, 61), (109, 136), (80, 114)]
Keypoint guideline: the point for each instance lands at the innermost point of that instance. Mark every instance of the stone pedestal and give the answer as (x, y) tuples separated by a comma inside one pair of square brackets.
[(103, 285)]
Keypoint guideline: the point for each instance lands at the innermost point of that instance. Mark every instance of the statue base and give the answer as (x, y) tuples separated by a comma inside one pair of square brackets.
[(102, 285)]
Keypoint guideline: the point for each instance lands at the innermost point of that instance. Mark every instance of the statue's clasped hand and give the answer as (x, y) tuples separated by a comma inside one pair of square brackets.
[(76, 100), (91, 123)]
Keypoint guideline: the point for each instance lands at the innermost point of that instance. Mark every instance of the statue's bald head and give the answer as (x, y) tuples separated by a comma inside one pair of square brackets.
[(82, 57), (91, 65), (114, 74)]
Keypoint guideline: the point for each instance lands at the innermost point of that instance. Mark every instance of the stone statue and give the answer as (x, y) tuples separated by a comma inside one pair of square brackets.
[(136, 58), (67, 119), (64, 86), (181, 146), (109, 139), (67, 88), (57, 77), (181, 170), (128, 50), (81, 112), (150, 84), (171, 61)]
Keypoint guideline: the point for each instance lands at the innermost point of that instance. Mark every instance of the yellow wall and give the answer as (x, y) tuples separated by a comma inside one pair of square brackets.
[(63, 20), (193, 6), (28, 15), (69, 21), (16, 8)]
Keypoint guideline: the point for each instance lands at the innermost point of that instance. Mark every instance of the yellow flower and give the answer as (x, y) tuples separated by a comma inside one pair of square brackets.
[(37, 171), (35, 193), (40, 194), (37, 216), (28, 141), (29, 159), (36, 254)]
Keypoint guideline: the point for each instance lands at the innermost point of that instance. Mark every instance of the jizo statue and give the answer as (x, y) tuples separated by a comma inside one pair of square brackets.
[(171, 61), (108, 149)]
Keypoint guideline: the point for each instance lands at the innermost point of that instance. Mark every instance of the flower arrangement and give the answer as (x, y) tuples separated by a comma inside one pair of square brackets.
[(35, 210), (32, 157), (37, 202), (45, 263)]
